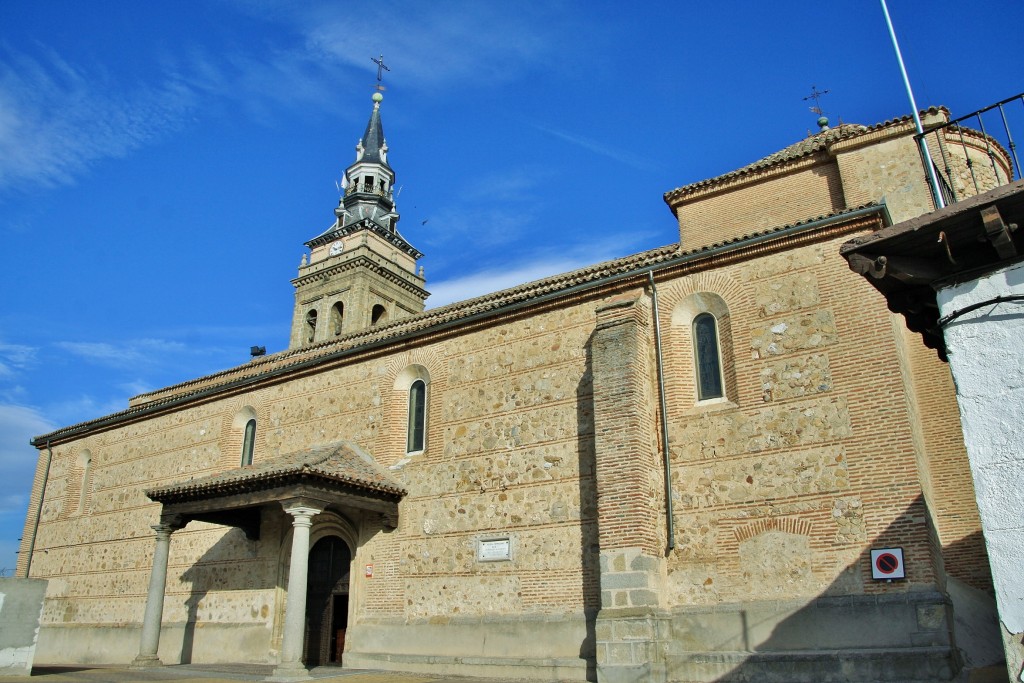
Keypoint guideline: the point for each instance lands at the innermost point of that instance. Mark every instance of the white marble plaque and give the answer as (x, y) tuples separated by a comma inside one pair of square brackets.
[(494, 549)]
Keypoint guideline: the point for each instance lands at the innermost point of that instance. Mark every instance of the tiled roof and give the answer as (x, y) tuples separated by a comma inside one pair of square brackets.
[(341, 462), (434, 320), (803, 148)]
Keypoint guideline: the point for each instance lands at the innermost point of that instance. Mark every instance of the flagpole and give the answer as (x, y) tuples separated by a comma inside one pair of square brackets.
[(925, 157)]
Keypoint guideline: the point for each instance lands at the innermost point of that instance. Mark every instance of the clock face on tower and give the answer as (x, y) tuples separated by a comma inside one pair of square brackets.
[(336, 248)]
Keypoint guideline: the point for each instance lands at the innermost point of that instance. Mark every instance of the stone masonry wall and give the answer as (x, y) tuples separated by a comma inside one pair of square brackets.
[(508, 454), (780, 490)]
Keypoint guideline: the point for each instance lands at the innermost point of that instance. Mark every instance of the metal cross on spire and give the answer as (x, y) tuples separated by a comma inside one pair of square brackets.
[(816, 96), (381, 68)]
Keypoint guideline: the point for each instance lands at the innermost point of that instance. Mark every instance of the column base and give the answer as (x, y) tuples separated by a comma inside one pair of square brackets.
[(285, 673), (145, 662)]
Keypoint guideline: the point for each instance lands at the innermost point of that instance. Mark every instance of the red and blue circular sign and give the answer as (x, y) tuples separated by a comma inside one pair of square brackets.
[(887, 564)]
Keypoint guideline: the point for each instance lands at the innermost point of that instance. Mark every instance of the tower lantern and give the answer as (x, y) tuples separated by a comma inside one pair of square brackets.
[(361, 271)]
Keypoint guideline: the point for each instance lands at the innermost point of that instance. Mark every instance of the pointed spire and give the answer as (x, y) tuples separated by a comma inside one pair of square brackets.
[(375, 149)]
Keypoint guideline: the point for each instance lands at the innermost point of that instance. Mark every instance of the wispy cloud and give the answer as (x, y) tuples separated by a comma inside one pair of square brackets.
[(491, 211), (75, 409), (17, 458), (18, 423), (614, 153), (56, 118), (287, 77), (439, 43), (15, 357), (125, 354), (526, 268)]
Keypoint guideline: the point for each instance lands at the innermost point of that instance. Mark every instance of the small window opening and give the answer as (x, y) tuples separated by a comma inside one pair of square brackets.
[(337, 317), (379, 315), (83, 495), (707, 357), (368, 183), (248, 442), (417, 416), (311, 325)]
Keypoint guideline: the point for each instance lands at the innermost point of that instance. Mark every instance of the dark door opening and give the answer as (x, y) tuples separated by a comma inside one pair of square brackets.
[(327, 601), (339, 624)]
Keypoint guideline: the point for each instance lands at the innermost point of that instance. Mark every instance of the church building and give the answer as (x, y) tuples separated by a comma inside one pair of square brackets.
[(721, 459)]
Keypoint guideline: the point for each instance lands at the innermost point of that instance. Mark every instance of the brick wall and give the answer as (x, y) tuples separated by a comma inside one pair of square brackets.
[(806, 188)]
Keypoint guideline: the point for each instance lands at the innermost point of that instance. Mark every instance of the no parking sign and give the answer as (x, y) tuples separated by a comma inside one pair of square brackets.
[(887, 563)]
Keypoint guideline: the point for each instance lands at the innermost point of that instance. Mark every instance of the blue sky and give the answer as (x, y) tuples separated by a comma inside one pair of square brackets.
[(162, 163)]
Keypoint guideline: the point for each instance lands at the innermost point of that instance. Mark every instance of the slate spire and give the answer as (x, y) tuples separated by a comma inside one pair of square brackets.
[(369, 182), (373, 144)]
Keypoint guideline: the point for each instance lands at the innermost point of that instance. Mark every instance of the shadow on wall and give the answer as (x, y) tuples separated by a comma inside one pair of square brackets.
[(217, 571), (886, 630), (590, 551)]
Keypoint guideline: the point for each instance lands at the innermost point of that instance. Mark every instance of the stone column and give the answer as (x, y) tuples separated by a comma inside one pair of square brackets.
[(291, 666), (631, 522), (149, 642)]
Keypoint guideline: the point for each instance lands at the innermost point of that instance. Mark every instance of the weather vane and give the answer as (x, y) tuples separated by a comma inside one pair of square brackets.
[(381, 68), (816, 96)]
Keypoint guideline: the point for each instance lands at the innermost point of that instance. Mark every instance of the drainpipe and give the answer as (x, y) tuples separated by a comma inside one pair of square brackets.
[(39, 510), (663, 406)]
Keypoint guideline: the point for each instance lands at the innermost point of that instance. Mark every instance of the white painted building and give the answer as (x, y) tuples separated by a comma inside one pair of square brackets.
[(957, 275)]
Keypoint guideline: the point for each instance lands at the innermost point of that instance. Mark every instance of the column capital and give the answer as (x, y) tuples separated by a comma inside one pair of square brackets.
[(302, 508), (164, 530)]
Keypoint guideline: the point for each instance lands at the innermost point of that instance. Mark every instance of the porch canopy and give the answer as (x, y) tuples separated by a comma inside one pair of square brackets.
[(339, 476)]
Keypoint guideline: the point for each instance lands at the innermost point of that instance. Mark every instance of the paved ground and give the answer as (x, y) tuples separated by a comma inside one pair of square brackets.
[(222, 673)]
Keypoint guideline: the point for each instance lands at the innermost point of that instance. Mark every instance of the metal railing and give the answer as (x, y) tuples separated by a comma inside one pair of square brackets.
[(971, 156)]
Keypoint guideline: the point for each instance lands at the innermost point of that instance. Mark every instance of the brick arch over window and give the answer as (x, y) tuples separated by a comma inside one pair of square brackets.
[(238, 419), (702, 350), (425, 369), (414, 382), (78, 491)]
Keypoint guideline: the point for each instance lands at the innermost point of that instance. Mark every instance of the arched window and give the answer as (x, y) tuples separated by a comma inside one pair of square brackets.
[(707, 357), (248, 442), (83, 496), (337, 317), (378, 315), (311, 325), (417, 416)]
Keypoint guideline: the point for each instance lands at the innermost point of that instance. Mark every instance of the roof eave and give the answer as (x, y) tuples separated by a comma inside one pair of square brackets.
[(504, 302)]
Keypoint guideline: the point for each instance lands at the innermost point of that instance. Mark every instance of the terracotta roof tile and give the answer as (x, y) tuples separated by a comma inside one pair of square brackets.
[(806, 147), (426, 322), (340, 462)]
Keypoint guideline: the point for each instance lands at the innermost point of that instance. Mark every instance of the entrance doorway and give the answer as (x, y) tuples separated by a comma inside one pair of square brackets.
[(330, 561)]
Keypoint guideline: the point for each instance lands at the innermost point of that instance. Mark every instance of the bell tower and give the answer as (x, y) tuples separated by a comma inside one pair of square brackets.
[(361, 272)]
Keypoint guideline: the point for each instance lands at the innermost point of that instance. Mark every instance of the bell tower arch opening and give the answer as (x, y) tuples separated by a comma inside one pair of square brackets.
[(361, 258)]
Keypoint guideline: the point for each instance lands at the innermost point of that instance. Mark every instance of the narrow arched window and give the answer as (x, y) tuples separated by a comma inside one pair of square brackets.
[(417, 416), (379, 315), (248, 442), (707, 357), (337, 317), (86, 482), (311, 325)]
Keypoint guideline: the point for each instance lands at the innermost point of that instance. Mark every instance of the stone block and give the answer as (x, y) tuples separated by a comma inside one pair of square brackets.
[(633, 630), (625, 580), (619, 653), (21, 604), (644, 563), (643, 598)]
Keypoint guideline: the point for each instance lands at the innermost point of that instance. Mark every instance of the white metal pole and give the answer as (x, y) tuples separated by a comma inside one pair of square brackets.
[(925, 157)]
